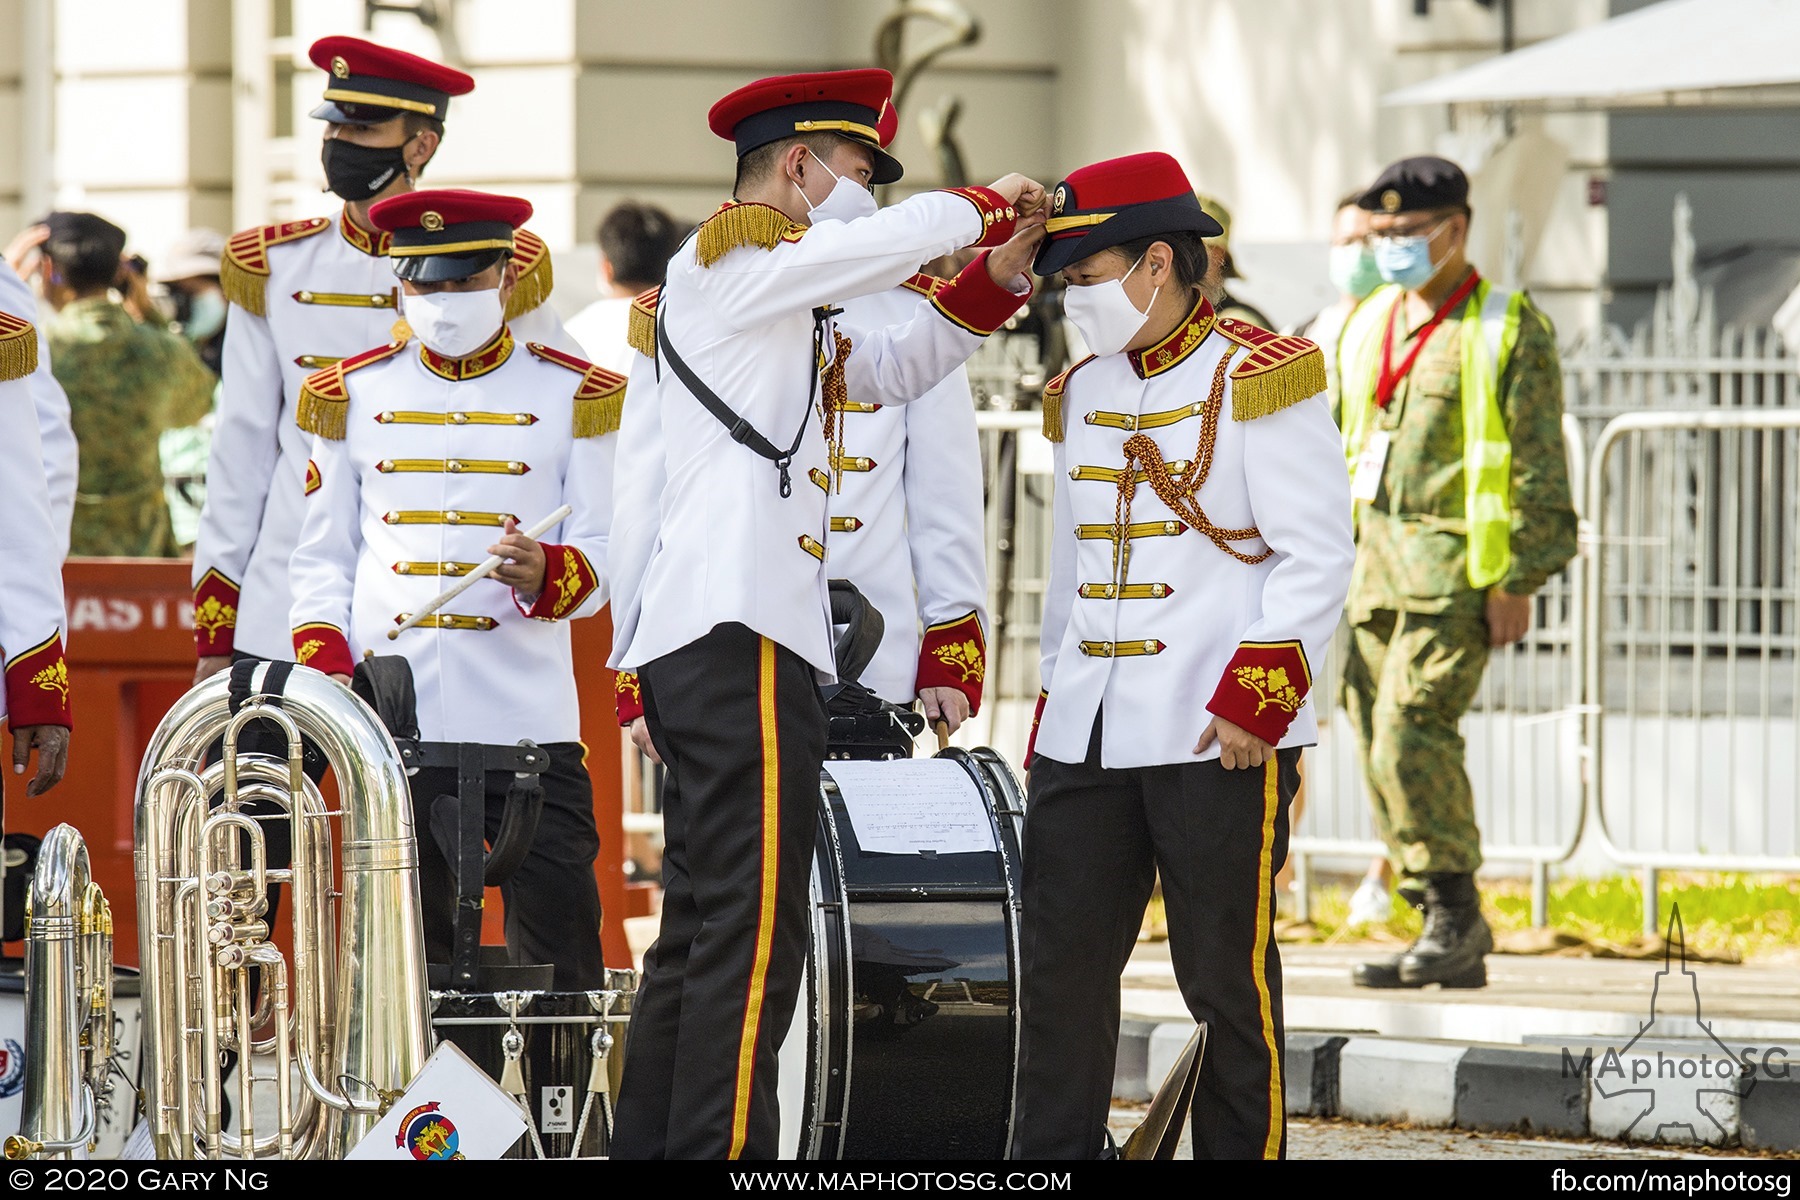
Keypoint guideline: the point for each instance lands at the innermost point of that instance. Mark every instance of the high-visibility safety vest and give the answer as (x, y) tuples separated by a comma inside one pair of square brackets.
[(1490, 328)]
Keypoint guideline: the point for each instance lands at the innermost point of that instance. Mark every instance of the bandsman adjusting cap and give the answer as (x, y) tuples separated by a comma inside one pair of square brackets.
[(1417, 185), (1117, 201), (369, 84), (448, 233), (852, 104)]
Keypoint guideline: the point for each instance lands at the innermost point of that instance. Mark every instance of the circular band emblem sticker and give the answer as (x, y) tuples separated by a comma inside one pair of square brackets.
[(12, 1068), (428, 1135)]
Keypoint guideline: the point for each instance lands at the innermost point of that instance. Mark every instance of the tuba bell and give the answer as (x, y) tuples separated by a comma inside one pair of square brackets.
[(346, 1016)]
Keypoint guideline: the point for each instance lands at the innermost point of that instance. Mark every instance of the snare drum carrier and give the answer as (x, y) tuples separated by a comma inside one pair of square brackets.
[(904, 1041)]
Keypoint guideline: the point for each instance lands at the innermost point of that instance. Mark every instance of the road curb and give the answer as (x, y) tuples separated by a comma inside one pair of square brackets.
[(1520, 1089)]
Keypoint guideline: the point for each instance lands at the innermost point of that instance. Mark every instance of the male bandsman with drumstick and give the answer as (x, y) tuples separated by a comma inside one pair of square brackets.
[(719, 559), (428, 456)]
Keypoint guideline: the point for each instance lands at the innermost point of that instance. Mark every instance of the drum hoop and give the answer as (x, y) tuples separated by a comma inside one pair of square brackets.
[(846, 1004)]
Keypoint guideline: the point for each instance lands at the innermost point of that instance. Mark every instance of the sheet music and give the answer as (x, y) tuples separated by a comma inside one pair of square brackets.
[(908, 806)]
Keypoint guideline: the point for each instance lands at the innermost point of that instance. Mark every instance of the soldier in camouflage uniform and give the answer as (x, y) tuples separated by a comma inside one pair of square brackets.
[(126, 382), (1439, 372)]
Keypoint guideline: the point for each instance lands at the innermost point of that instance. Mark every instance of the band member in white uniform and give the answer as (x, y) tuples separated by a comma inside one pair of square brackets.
[(719, 564), (56, 434), (1200, 560), (427, 456), (34, 700), (305, 295)]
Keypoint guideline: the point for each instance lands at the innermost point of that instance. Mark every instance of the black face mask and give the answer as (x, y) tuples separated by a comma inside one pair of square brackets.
[(360, 172)]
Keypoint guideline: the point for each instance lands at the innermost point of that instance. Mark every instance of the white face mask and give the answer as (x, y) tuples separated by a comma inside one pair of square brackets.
[(848, 200), (454, 324), (1105, 315)]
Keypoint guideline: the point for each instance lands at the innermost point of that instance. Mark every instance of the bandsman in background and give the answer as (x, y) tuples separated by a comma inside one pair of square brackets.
[(305, 295), (34, 699), (427, 456), (60, 464), (1218, 247), (906, 511), (1451, 406), (718, 553), (1199, 561)]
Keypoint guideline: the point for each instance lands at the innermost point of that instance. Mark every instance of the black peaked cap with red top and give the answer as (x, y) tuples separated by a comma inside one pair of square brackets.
[(448, 233), (370, 84), (1120, 200), (852, 104)]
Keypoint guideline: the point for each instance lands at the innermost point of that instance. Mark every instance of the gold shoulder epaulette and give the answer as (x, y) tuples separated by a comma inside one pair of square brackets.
[(599, 397), (244, 267), (925, 285), (18, 347), (735, 225), (536, 279), (640, 326), (325, 396), (1053, 401), (1280, 370)]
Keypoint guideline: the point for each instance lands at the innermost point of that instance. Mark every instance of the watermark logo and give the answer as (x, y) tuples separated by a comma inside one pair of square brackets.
[(1675, 1080)]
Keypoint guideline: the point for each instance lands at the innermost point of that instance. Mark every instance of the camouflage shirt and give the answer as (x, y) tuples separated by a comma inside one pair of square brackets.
[(1412, 540), (127, 383)]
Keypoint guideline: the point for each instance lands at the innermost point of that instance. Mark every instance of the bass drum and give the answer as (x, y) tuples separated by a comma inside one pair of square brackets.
[(904, 1043)]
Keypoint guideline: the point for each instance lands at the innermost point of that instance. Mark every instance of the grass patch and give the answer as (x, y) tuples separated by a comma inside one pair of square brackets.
[(1753, 916)]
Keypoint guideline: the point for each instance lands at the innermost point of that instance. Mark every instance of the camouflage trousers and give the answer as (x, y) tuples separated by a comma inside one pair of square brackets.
[(122, 525), (1408, 680)]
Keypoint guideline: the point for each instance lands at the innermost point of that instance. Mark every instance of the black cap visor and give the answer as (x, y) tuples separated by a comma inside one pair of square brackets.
[(1078, 241), (444, 268), (852, 122)]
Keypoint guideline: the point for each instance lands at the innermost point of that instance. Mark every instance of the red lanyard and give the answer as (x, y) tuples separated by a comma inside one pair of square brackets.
[(1389, 381)]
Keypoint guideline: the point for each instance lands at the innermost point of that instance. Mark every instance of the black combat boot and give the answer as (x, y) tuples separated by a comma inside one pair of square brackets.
[(1456, 938), (1385, 973)]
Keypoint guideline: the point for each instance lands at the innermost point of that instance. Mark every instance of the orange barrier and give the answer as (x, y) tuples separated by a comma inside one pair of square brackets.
[(131, 656)]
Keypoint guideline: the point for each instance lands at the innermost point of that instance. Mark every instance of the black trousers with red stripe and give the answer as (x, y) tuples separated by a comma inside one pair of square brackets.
[(1095, 842), (740, 727)]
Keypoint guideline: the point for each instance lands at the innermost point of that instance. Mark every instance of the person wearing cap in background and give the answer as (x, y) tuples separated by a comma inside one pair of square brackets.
[(304, 295), (635, 243), (905, 506), (1219, 246), (60, 464), (718, 558), (34, 687), (126, 381), (189, 275), (427, 455), (1199, 560), (1450, 398)]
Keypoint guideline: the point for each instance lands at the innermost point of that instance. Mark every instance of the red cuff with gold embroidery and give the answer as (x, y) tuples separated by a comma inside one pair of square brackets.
[(568, 580), (1031, 742), (215, 614), (954, 655), (975, 302), (323, 648), (1263, 687), (997, 216), (628, 696), (37, 686)]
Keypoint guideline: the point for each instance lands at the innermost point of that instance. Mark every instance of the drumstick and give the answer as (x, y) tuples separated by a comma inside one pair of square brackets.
[(943, 731), (492, 564)]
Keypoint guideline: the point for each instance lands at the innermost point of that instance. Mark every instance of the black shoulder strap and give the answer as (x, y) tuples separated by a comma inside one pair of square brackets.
[(742, 432)]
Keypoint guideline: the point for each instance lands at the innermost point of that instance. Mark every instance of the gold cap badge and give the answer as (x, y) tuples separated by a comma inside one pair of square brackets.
[(431, 220), (1390, 201), (1059, 199), (339, 68)]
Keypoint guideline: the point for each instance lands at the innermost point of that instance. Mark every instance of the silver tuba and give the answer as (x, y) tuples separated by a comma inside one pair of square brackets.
[(68, 997), (347, 1016)]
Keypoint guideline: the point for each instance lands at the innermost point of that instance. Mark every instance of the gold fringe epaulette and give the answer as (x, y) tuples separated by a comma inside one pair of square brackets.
[(599, 397), (1280, 370), (640, 326), (244, 267), (1053, 401), (735, 225), (18, 347), (325, 395), (925, 285), (536, 278)]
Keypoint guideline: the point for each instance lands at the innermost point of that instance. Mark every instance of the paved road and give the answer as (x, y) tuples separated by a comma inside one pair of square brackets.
[(1342, 1139)]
